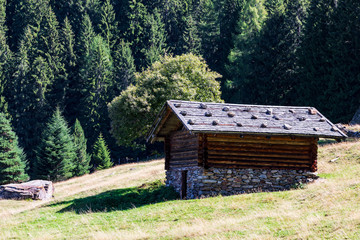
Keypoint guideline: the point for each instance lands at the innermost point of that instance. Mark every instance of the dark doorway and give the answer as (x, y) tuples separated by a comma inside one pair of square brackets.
[(183, 184)]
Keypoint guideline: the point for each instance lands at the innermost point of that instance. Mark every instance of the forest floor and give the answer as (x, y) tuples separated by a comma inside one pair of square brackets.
[(115, 204)]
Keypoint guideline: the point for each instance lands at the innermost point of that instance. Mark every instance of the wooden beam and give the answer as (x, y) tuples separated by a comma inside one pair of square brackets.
[(167, 150)]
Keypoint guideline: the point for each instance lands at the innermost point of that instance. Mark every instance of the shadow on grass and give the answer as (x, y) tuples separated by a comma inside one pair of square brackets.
[(121, 199)]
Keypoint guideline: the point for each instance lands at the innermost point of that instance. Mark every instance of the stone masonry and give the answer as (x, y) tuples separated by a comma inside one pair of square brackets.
[(214, 181)]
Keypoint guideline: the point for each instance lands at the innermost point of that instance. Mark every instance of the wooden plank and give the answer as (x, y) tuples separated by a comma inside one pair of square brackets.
[(167, 150), (200, 149), (256, 167), (264, 163), (262, 137), (205, 151), (264, 159), (184, 162), (257, 154), (240, 140), (254, 145), (258, 149)]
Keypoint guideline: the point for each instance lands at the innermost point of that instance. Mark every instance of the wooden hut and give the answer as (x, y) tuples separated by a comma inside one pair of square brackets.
[(219, 148)]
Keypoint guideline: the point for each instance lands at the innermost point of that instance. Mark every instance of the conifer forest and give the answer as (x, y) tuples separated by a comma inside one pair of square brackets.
[(81, 80)]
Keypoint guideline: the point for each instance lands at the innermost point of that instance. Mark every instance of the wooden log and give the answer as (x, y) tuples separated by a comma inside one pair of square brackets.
[(258, 163), (258, 154), (256, 167), (36, 190), (167, 150), (259, 146), (240, 140), (249, 158), (258, 149)]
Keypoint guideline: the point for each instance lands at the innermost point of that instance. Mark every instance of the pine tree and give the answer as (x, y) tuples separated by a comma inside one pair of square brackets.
[(27, 13), (108, 25), (100, 154), (135, 34), (12, 163), (98, 83), (250, 22), (5, 58), (82, 159), (50, 47), (124, 67), (156, 39), (55, 154), (209, 32), (192, 42), (86, 36), (72, 69)]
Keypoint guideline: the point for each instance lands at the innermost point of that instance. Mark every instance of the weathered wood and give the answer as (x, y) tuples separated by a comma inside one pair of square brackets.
[(214, 158), (263, 146), (258, 154), (230, 140), (259, 163), (167, 150), (258, 149), (36, 190), (257, 167), (205, 151)]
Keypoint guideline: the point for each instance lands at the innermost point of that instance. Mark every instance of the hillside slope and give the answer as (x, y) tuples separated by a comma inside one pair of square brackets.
[(86, 207)]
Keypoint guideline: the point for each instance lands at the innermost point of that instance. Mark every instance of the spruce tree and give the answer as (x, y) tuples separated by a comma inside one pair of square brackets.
[(98, 83), (5, 58), (108, 25), (156, 39), (250, 22), (82, 159), (100, 154), (55, 154), (50, 47), (124, 67), (12, 162), (135, 34), (192, 42)]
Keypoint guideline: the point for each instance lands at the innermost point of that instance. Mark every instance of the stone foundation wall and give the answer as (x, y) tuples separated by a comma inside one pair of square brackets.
[(214, 181)]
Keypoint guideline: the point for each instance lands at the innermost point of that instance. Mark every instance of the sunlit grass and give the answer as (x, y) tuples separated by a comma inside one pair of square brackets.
[(327, 209)]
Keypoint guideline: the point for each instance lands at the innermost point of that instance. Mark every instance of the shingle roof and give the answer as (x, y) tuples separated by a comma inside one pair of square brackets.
[(204, 117)]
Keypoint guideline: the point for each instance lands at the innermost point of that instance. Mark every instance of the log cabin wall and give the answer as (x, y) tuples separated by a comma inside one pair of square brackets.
[(181, 150), (260, 152)]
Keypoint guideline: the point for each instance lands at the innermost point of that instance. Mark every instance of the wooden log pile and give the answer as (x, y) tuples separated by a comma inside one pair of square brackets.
[(36, 190)]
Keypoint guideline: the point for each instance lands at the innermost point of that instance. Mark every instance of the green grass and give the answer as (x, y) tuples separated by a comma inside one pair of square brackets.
[(131, 202)]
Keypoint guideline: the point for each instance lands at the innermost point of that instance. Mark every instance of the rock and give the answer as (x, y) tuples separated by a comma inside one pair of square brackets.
[(36, 190)]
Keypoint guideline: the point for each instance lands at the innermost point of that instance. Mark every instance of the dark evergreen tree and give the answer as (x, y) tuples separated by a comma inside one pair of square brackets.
[(85, 37), (209, 32), (239, 70), (174, 15), (25, 13), (108, 25), (100, 155), (124, 67), (191, 39), (98, 82), (82, 159), (72, 68), (135, 34), (274, 68), (5, 58), (155, 37), (314, 56), (12, 164), (55, 154), (49, 47)]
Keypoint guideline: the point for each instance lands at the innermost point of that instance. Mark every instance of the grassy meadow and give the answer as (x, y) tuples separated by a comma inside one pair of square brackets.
[(126, 202)]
